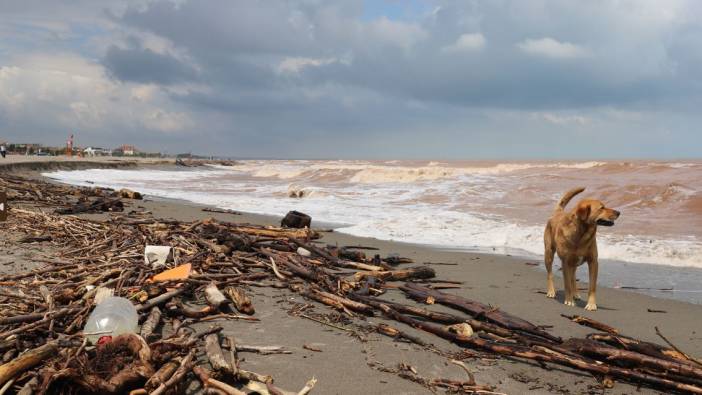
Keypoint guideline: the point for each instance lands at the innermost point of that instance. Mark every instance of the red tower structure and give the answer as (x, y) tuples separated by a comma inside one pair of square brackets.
[(69, 146)]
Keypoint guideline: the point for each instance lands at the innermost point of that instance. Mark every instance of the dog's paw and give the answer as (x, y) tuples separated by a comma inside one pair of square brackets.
[(569, 303), (551, 293), (591, 307)]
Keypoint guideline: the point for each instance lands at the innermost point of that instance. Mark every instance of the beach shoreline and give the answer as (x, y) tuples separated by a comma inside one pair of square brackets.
[(510, 283), (641, 278), (660, 279)]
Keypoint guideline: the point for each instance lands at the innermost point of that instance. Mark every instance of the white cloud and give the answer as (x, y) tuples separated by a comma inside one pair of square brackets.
[(296, 64), (165, 121), (551, 48), (466, 42), (558, 119), (87, 114), (400, 34), (12, 97), (619, 114), (74, 93), (143, 93), (62, 84)]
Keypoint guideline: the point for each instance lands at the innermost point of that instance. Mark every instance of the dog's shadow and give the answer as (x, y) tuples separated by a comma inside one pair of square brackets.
[(581, 303)]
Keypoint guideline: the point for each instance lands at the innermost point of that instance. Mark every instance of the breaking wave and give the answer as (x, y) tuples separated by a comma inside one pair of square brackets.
[(387, 172), (484, 206)]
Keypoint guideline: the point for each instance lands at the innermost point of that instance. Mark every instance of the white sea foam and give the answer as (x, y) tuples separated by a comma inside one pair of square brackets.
[(435, 204), (389, 172)]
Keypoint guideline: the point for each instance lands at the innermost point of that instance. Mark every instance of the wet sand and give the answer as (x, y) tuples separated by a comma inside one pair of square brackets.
[(349, 365)]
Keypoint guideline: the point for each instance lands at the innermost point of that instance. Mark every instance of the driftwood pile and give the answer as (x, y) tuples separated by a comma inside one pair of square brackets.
[(44, 310)]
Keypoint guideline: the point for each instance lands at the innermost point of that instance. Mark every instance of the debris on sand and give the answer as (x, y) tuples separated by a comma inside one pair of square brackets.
[(45, 309)]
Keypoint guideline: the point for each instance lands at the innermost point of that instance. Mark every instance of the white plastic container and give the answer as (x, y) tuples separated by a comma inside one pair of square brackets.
[(112, 317), (157, 255)]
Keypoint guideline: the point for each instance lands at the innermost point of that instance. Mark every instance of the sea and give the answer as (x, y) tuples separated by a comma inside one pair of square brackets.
[(487, 206)]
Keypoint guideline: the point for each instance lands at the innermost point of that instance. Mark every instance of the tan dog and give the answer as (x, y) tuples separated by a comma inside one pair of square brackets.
[(573, 236)]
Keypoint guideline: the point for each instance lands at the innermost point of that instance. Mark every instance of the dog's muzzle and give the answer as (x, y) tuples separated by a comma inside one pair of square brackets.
[(609, 222), (604, 222)]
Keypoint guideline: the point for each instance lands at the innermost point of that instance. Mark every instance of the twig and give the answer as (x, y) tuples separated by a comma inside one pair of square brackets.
[(308, 387), (674, 347), (327, 323), (471, 378)]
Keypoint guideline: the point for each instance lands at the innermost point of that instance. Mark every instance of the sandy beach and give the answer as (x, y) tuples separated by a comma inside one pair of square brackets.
[(345, 364), (512, 284)]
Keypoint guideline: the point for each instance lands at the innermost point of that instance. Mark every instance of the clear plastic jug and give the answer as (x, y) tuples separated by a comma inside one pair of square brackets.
[(112, 317)]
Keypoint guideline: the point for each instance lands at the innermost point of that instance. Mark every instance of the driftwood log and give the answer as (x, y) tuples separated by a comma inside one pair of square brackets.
[(215, 355), (241, 301), (27, 360), (478, 310), (639, 346), (152, 321), (589, 322)]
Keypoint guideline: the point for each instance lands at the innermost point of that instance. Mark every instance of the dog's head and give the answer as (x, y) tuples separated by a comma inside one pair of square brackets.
[(594, 212)]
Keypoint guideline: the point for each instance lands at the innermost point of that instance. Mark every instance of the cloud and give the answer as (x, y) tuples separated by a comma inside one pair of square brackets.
[(73, 94), (551, 48), (165, 121), (86, 114), (558, 119), (61, 86), (400, 34), (143, 93), (234, 78), (147, 66), (466, 42), (295, 65)]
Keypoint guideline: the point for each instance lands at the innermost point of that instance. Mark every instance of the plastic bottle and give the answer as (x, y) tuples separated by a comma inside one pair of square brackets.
[(112, 317)]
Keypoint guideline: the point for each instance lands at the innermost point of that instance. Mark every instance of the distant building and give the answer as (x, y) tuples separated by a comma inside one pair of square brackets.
[(96, 151), (127, 150), (24, 148)]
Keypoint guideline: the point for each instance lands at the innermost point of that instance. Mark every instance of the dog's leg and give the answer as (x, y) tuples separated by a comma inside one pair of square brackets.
[(574, 282), (592, 266), (568, 273), (549, 252)]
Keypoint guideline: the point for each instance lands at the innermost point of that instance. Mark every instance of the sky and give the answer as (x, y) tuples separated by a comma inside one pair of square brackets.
[(357, 79)]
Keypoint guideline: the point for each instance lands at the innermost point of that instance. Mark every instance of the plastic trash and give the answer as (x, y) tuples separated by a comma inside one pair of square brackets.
[(157, 255), (303, 252), (112, 317), (181, 272), (102, 293), (462, 329)]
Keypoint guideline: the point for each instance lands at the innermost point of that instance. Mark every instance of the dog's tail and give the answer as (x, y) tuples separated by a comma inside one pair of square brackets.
[(566, 198)]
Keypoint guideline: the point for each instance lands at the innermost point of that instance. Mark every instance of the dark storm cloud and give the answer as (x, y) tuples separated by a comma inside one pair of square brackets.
[(341, 78), (409, 59), (146, 66)]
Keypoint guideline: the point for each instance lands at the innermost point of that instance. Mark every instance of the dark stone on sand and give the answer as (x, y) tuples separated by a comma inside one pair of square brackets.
[(296, 219)]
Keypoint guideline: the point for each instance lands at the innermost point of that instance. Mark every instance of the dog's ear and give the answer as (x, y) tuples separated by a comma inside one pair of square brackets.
[(583, 212)]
